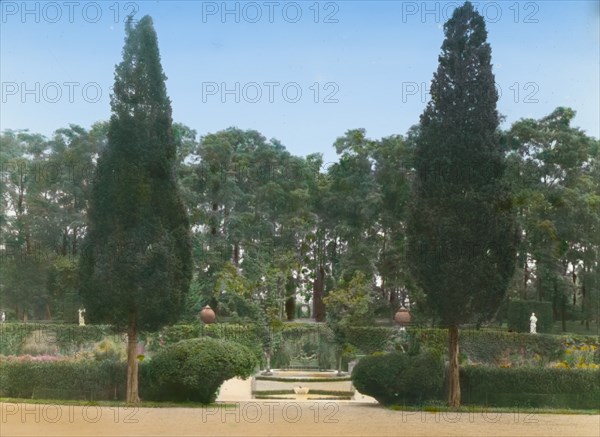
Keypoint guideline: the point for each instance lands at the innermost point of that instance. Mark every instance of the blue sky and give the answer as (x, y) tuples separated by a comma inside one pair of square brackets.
[(302, 72)]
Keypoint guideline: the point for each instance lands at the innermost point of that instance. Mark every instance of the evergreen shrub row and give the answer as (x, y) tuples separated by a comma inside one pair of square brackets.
[(530, 387), (401, 378), (190, 370), (63, 379), (66, 338), (477, 346)]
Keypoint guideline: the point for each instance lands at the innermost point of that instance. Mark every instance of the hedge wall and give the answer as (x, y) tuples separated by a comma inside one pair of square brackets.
[(243, 334), (64, 379), (188, 370), (484, 346), (369, 339), (530, 387), (493, 347), (519, 312), (398, 378), (65, 338), (478, 346)]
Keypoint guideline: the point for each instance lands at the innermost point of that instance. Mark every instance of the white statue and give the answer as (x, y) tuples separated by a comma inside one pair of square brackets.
[(81, 320), (3, 317), (532, 323)]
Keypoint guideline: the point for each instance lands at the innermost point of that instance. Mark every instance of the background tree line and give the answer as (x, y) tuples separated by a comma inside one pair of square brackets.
[(279, 229)]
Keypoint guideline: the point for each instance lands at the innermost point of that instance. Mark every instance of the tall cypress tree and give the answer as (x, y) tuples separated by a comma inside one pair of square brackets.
[(136, 263), (462, 232)]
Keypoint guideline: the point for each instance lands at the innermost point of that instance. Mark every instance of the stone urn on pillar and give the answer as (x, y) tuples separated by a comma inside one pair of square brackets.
[(207, 315), (402, 318)]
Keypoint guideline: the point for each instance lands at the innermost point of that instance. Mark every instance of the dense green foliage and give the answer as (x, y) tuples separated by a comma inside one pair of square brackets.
[(55, 243), (45, 187), (40, 282), (349, 305), (531, 387), (519, 313), (398, 378), (193, 370), (553, 169)]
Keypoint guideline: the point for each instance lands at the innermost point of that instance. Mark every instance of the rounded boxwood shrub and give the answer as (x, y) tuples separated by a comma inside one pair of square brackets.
[(398, 378), (193, 370)]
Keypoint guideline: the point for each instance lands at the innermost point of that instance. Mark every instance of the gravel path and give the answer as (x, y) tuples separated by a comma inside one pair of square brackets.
[(282, 418)]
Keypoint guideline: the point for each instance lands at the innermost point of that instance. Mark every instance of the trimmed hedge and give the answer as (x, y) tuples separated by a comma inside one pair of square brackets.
[(64, 379), (246, 335), (484, 346), (66, 338), (188, 370), (476, 345), (491, 347), (369, 339), (398, 378), (530, 387), (193, 370), (519, 312)]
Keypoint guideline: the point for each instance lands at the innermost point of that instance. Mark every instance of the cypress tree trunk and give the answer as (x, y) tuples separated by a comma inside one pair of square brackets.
[(453, 368), (132, 361)]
